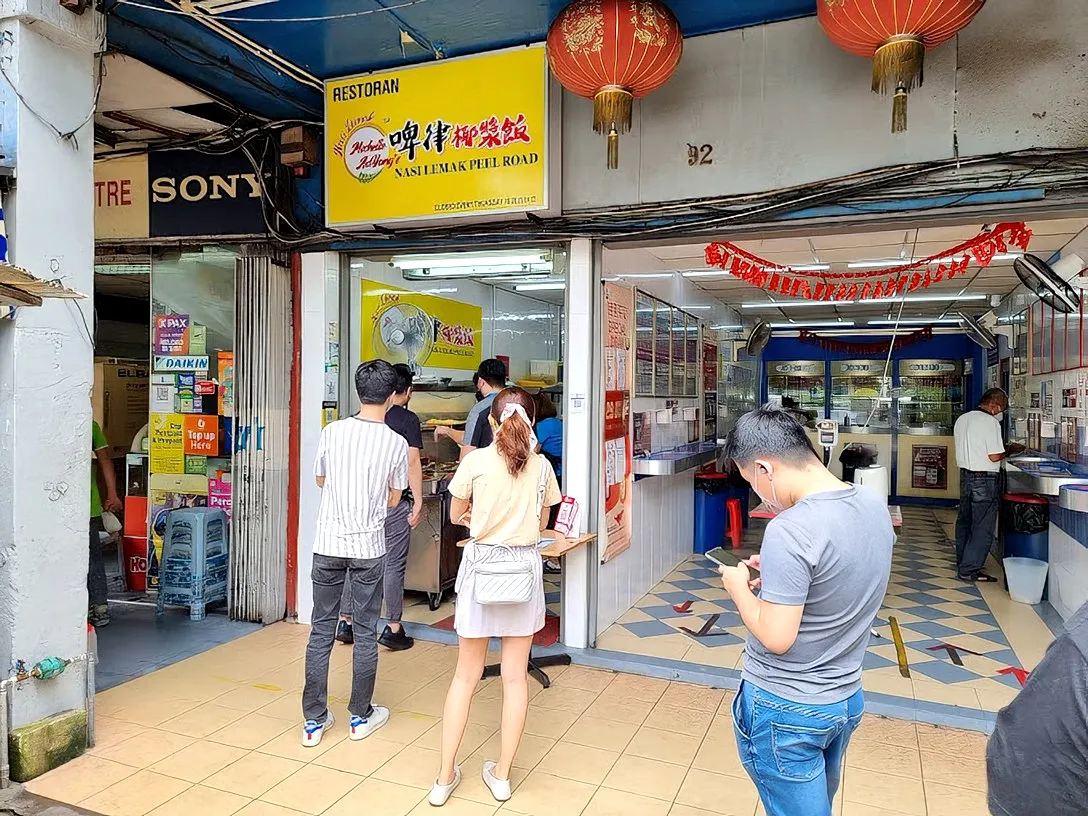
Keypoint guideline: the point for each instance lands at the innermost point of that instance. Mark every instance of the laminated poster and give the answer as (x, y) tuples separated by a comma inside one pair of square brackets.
[(219, 494), (201, 435), (225, 368), (196, 465), (172, 334), (619, 312), (165, 495), (167, 443), (186, 400), (164, 393), (198, 339)]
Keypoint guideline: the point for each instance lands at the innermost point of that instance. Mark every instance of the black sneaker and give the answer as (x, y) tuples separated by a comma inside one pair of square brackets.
[(99, 616), (396, 641), (344, 633)]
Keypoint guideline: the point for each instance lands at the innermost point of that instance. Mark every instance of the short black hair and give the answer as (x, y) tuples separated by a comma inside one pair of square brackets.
[(375, 382), (493, 372), (769, 433), (405, 378), (992, 395)]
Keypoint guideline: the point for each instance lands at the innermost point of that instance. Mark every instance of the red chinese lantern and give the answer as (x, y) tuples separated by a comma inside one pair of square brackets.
[(613, 52), (895, 35)]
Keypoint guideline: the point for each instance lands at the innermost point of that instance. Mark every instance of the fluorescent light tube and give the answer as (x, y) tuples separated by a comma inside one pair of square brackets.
[(555, 286), (706, 273), (886, 263), (465, 260), (808, 324), (792, 304), (916, 321), (645, 275)]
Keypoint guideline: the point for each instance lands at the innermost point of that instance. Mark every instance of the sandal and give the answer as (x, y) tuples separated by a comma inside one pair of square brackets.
[(981, 578)]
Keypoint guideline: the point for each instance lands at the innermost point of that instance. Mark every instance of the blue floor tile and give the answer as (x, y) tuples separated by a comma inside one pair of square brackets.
[(944, 672), (652, 628)]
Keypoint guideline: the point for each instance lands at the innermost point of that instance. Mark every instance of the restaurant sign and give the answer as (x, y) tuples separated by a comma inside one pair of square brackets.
[(457, 137)]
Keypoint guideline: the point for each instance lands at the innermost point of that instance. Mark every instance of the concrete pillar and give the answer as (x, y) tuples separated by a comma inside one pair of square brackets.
[(48, 54)]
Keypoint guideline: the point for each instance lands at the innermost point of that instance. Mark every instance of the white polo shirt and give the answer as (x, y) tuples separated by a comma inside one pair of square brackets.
[(978, 434)]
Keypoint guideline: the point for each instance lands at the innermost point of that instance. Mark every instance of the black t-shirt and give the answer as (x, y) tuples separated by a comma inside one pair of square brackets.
[(1037, 759), (405, 423), (482, 436)]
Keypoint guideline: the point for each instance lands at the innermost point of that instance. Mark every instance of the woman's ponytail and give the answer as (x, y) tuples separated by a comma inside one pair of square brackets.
[(513, 436)]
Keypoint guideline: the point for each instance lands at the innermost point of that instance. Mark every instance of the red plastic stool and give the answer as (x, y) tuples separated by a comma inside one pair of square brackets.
[(736, 522)]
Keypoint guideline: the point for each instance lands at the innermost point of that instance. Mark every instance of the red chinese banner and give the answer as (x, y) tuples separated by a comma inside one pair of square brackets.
[(879, 347), (872, 284)]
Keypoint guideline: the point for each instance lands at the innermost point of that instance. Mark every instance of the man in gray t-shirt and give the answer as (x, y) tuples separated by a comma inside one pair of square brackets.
[(824, 568)]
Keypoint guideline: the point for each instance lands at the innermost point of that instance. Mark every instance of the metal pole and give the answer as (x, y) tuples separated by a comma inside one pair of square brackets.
[(5, 771), (91, 660)]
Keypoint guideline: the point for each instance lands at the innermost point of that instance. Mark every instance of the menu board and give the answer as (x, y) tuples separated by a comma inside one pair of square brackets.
[(679, 327), (662, 348), (644, 345), (691, 343)]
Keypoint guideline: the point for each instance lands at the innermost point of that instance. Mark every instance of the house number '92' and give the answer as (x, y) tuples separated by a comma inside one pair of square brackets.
[(700, 155)]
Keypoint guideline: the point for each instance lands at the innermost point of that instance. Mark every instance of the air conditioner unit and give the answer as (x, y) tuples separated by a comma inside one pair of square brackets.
[(224, 6)]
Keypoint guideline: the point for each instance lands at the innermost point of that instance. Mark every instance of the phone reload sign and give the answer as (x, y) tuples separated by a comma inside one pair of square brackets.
[(452, 138)]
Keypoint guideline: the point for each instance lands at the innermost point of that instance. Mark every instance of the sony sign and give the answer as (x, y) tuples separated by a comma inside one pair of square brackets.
[(196, 194), (197, 188)]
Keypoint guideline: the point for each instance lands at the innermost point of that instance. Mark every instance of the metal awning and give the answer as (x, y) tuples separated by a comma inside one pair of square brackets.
[(19, 288)]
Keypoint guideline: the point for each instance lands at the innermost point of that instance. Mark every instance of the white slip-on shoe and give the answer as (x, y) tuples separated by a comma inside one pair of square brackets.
[(363, 727), (440, 794), (500, 788), (313, 731)]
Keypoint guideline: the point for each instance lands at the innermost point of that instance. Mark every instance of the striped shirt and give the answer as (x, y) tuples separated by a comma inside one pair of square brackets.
[(361, 462)]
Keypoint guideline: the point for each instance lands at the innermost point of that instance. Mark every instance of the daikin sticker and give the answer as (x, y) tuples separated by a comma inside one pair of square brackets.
[(175, 362)]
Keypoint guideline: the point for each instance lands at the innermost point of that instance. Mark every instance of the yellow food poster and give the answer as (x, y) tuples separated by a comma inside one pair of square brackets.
[(450, 138), (401, 326), (167, 443)]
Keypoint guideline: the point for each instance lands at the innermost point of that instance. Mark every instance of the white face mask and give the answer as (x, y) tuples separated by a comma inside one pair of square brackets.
[(772, 503), (1000, 416)]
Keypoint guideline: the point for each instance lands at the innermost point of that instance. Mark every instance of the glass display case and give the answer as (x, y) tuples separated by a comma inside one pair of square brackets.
[(861, 394), (930, 395), (679, 369), (799, 380), (644, 345), (662, 348)]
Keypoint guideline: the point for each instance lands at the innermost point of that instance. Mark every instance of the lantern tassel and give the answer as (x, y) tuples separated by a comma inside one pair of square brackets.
[(899, 110), (899, 62), (612, 108)]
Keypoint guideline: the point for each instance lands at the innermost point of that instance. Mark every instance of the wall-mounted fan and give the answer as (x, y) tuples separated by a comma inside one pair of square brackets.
[(758, 339), (1046, 283), (977, 332), (1071, 268)]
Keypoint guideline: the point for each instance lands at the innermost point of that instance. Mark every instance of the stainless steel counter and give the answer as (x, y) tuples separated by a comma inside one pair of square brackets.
[(670, 463), (1030, 475)]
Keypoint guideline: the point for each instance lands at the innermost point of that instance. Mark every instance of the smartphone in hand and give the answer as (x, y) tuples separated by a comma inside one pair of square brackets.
[(727, 558)]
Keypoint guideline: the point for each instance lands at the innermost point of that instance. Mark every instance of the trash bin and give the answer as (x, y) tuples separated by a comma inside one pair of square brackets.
[(710, 516), (854, 456), (1026, 578), (1025, 526)]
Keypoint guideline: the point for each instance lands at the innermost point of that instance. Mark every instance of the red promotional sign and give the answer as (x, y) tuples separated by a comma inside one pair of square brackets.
[(201, 435)]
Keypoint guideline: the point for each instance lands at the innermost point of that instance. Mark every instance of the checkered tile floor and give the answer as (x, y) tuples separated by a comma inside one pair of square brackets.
[(957, 653)]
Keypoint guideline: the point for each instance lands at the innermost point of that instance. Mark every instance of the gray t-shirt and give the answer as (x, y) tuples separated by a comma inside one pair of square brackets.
[(1037, 759), (477, 414), (831, 553)]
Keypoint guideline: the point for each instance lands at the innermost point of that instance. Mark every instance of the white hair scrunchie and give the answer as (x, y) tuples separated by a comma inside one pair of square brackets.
[(510, 409)]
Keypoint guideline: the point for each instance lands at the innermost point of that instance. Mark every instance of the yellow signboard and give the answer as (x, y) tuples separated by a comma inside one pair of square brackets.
[(120, 198), (167, 443), (409, 327), (451, 138)]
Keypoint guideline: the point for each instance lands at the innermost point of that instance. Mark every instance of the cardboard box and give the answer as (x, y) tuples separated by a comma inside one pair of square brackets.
[(119, 402)]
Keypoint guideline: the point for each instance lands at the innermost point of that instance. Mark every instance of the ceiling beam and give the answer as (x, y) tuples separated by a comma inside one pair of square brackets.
[(143, 124), (103, 135)]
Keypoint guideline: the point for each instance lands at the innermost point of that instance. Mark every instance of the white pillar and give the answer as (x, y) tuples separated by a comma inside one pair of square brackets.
[(46, 353), (581, 442), (320, 320)]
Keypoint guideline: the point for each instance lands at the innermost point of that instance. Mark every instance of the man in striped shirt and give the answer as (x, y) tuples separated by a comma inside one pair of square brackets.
[(362, 470)]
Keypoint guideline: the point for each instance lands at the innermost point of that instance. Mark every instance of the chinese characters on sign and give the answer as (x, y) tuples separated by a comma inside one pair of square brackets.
[(619, 308), (412, 143)]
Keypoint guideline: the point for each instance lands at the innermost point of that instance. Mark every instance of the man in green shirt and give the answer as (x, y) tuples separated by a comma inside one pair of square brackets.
[(98, 610)]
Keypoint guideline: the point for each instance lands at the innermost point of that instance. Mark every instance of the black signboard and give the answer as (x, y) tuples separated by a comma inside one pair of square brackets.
[(197, 194)]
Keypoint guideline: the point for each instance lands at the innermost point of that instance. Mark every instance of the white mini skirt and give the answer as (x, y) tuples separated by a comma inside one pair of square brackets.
[(475, 620)]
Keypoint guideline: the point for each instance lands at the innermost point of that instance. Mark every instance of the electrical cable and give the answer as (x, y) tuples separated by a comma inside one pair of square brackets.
[(317, 19)]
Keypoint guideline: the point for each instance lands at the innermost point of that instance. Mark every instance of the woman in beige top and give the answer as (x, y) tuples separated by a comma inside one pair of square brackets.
[(505, 491)]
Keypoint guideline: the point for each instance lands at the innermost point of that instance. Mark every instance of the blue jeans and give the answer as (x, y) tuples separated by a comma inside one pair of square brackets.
[(793, 751)]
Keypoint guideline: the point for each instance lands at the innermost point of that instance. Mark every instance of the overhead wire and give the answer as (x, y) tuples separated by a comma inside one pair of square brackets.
[(313, 19)]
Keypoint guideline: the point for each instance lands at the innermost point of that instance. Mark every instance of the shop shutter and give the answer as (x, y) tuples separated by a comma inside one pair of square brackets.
[(258, 556)]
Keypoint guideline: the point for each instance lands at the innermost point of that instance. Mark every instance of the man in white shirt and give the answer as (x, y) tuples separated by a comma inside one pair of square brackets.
[(979, 451), (362, 470)]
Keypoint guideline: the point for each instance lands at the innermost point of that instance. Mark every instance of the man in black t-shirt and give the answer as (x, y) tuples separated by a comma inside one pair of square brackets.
[(399, 523)]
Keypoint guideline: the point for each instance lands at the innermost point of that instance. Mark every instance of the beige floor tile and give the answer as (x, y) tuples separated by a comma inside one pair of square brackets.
[(726, 707), (878, 790), (259, 808), (578, 677), (253, 774), (688, 721), (699, 698), (289, 744), (636, 687), (956, 695), (204, 801), (720, 756), (687, 810), (252, 731), (951, 742), (608, 802), (531, 750), (887, 681), (108, 732), (361, 758), (630, 711), (428, 700), (203, 720), (726, 795), (722, 657), (571, 699), (955, 771), (886, 731), (663, 746), (458, 807), (146, 748), (374, 797), (578, 762), (79, 779), (994, 696), (251, 697), (414, 767), (857, 809), (198, 761), (944, 800), (598, 733), (544, 795), (312, 789), (885, 758), (475, 736), (135, 795), (288, 707), (541, 722), (646, 777), (472, 785), (406, 727)]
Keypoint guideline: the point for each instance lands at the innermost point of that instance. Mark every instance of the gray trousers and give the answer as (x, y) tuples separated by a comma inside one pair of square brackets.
[(329, 576), (397, 536), (96, 566)]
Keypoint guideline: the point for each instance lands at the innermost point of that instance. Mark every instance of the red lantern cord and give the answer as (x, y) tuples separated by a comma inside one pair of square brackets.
[(873, 284)]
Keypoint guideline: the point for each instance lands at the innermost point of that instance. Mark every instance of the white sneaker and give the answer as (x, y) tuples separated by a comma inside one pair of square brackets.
[(500, 788), (440, 794), (313, 731), (363, 727)]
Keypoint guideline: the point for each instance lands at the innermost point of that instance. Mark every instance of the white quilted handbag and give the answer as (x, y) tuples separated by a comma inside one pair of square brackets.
[(502, 577)]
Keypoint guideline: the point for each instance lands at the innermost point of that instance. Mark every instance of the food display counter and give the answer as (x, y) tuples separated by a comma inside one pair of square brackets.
[(930, 400), (800, 380)]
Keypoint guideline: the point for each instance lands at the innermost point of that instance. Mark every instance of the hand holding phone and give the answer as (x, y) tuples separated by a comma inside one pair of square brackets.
[(727, 558)]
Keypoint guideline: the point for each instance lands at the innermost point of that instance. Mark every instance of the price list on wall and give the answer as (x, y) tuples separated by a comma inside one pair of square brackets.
[(644, 345)]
